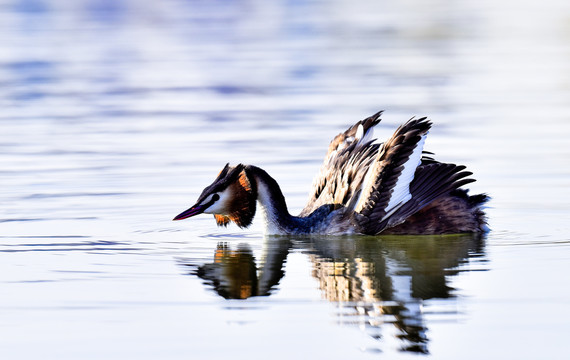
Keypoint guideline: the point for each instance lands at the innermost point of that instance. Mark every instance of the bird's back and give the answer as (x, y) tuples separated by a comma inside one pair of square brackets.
[(392, 186)]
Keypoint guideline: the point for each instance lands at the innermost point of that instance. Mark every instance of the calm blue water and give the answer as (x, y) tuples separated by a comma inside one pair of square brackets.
[(115, 115)]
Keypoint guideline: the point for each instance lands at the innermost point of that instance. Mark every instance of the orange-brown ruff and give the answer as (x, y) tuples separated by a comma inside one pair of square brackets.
[(242, 204), (363, 187)]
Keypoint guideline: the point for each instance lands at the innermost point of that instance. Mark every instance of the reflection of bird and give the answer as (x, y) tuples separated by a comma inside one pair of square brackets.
[(373, 282), (235, 274), (363, 187)]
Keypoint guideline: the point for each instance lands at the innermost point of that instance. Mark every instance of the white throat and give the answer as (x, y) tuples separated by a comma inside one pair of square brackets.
[(269, 213)]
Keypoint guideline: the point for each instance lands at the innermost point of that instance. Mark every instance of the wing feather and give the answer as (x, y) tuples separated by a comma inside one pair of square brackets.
[(348, 158), (388, 184), (431, 182), (382, 184)]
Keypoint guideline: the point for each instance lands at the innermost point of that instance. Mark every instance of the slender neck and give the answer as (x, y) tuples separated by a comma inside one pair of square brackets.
[(273, 205), (274, 208)]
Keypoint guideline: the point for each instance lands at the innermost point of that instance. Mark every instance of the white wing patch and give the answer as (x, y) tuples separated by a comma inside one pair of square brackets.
[(360, 201), (367, 137), (359, 132), (401, 192)]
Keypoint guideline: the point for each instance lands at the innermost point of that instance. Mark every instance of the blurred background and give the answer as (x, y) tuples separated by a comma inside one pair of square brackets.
[(116, 113)]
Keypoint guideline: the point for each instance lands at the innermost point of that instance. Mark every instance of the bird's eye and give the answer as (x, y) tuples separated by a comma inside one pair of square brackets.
[(216, 197)]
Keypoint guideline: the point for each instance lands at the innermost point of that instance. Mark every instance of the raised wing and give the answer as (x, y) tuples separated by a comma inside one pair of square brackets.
[(398, 185), (342, 173)]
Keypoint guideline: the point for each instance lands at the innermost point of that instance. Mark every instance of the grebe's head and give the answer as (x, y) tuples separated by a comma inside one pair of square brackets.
[(231, 197)]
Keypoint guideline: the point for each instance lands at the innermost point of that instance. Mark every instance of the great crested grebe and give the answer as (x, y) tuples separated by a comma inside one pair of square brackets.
[(363, 187)]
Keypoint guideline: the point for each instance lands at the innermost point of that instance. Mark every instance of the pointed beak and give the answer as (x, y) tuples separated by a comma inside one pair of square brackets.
[(194, 210)]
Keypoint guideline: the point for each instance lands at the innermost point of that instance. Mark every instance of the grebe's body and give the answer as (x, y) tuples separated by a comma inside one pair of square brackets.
[(363, 187)]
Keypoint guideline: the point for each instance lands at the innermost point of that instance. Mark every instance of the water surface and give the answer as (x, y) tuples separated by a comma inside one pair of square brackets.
[(115, 115)]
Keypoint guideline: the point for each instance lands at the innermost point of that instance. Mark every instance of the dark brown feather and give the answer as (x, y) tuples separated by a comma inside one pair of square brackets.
[(243, 204), (454, 212), (386, 170), (430, 183)]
